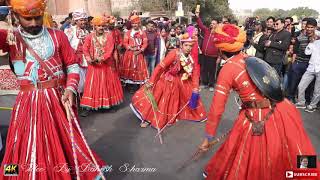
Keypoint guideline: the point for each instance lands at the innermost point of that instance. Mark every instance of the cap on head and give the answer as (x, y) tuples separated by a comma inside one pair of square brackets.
[(79, 14)]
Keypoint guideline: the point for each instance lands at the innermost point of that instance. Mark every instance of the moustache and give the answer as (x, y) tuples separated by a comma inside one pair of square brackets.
[(34, 30)]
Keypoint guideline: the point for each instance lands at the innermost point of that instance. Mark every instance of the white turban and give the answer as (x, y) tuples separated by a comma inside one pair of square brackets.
[(79, 14)]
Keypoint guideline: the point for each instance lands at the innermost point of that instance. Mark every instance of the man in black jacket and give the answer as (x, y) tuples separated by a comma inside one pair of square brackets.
[(277, 46)]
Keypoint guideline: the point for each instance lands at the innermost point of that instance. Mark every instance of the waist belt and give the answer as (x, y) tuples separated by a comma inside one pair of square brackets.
[(43, 85), (265, 103), (258, 126)]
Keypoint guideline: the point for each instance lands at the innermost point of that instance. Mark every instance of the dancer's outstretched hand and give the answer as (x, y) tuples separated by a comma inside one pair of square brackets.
[(205, 145)]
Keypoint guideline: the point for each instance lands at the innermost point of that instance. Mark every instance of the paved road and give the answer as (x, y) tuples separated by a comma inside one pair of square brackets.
[(119, 140)]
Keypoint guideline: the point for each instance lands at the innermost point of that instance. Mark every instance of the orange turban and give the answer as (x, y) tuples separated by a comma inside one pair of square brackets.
[(135, 19), (186, 38), (99, 21), (28, 8), (229, 38)]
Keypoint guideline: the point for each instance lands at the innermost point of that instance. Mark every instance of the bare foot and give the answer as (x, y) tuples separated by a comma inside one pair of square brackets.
[(144, 124)]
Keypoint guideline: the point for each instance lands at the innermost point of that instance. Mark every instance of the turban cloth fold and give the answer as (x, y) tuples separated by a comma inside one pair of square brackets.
[(229, 38), (28, 8), (47, 20)]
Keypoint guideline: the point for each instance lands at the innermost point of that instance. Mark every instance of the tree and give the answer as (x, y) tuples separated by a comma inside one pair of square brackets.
[(300, 12), (215, 9), (280, 13), (262, 13)]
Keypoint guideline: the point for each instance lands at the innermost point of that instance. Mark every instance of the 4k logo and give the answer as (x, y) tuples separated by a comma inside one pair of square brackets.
[(11, 170)]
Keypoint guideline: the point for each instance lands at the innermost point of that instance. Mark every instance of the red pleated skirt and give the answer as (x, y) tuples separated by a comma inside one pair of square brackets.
[(102, 88), (172, 100), (246, 157), (39, 140), (134, 68)]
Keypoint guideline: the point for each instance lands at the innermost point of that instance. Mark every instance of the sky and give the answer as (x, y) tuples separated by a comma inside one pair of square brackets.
[(274, 4)]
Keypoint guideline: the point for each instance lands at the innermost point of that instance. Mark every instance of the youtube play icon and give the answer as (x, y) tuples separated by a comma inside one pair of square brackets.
[(289, 174)]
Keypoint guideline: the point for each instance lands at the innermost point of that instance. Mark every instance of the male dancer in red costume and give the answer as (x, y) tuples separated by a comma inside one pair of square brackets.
[(44, 137), (102, 88), (134, 68), (267, 136)]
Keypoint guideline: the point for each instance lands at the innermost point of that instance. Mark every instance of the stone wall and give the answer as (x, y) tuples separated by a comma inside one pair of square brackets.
[(93, 7)]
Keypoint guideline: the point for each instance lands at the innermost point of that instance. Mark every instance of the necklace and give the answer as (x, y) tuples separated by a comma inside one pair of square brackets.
[(187, 65)]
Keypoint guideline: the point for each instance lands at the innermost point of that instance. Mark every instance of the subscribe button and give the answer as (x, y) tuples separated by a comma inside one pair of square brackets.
[(303, 174)]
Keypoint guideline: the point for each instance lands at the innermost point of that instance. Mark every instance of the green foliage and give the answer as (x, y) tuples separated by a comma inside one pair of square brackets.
[(263, 13), (300, 12), (215, 9)]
